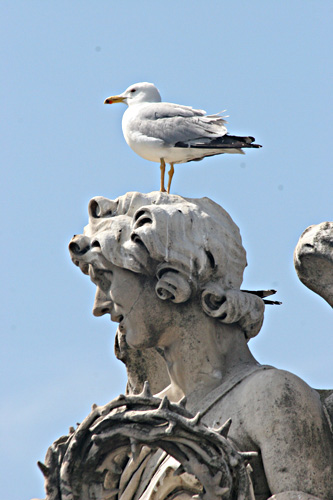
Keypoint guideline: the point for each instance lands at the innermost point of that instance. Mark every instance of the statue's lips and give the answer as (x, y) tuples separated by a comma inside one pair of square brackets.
[(117, 318)]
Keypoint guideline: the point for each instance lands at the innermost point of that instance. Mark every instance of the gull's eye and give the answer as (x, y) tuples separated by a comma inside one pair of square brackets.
[(133, 90)]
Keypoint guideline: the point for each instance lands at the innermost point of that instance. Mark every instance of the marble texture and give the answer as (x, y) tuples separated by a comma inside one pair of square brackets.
[(313, 259), (212, 423)]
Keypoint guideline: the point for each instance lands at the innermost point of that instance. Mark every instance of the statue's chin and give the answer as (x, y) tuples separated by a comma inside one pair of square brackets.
[(135, 339), (134, 343)]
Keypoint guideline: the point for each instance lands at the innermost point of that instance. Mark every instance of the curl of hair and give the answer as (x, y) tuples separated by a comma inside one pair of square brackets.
[(101, 208), (234, 306), (187, 244), (173, 285)]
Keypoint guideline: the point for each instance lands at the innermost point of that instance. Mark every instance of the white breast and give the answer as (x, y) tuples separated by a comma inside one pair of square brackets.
[(149, 148)]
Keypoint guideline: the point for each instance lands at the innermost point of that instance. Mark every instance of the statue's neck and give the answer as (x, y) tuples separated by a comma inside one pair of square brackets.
[(199, 362)]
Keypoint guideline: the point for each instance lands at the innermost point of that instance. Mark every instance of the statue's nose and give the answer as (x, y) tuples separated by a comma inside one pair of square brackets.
[(102, 304), (101, 309)]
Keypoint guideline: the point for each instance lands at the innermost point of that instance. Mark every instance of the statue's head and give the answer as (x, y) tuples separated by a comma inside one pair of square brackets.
[(188, 247)]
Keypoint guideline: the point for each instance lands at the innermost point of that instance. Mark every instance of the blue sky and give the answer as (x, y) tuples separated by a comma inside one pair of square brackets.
[(268, 63)]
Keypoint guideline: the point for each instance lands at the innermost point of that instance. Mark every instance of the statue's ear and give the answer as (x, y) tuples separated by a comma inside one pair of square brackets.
[(215, 303), (234, 306), (173, 285)]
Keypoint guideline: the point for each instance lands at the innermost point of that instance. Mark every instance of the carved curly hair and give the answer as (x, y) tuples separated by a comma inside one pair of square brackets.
[(190, 245)]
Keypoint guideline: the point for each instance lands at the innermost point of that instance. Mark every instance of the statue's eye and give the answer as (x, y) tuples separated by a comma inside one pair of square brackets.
[(133, 90)]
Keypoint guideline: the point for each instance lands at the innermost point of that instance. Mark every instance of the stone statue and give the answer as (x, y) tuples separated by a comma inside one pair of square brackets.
[(313, 259), (169, 271)]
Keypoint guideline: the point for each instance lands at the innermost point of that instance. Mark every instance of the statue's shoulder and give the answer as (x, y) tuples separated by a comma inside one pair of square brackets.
[(274, 397), (277, 377), (264, 395), (277, 388), (270, 395), (264, 391), (273, 408)]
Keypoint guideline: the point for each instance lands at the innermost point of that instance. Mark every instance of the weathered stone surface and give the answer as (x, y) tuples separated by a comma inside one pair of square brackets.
[(101, 458), (169, 271), (293, 495), (313, 259), (141, 365)]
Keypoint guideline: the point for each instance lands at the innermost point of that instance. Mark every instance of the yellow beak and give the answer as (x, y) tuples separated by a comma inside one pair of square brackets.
[(113, 99)]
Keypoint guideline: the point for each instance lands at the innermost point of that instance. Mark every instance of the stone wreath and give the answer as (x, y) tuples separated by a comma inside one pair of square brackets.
[(89, 463)]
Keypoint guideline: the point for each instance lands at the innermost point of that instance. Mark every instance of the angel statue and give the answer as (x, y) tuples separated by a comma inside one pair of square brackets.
[(210, 422)]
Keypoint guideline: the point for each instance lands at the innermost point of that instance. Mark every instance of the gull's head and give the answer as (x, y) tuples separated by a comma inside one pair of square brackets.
[(137, 93)]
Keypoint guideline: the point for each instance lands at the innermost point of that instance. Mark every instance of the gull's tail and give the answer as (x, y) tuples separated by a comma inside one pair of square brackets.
[(211, 146), (234, 141), (224, 142)]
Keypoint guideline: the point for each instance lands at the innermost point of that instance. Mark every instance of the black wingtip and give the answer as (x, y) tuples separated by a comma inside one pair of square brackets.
[(261, 293), (264, 293), (225, 142), (249, 141)]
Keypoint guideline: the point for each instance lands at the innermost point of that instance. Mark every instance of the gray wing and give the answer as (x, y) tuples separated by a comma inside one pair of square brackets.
[(174, 123)]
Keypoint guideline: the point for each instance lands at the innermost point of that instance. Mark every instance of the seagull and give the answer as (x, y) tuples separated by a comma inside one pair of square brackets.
[(163, 132)]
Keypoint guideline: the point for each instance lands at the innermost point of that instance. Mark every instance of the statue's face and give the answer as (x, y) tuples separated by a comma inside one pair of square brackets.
[(131, 301)]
